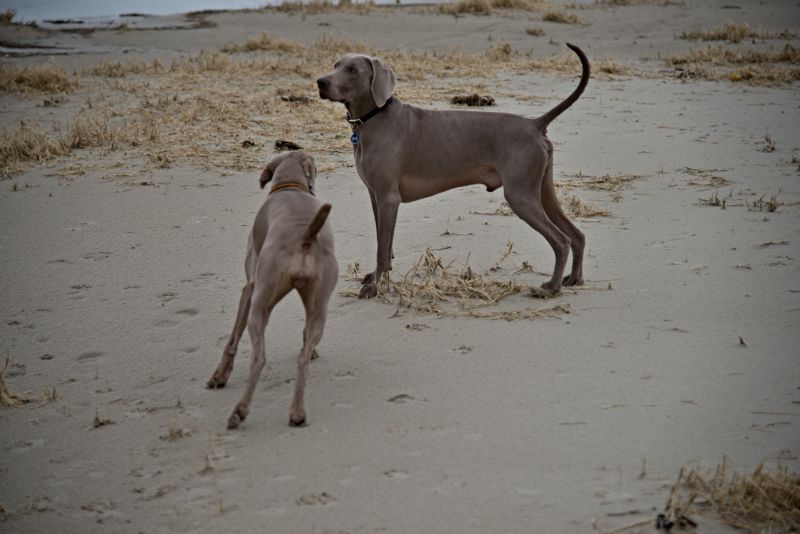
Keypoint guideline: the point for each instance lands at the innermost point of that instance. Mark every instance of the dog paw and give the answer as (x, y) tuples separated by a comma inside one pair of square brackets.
[(215, 383), (368, 290), (299, 421), (551, 287), (573, 280), (368, 279), (238, 415)]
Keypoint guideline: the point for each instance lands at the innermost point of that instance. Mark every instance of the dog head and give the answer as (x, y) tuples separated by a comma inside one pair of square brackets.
[(357, 78), (294, 166)]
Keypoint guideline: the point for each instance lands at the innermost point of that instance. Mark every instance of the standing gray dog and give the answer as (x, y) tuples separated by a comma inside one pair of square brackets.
[(290, 247), (405, 153)]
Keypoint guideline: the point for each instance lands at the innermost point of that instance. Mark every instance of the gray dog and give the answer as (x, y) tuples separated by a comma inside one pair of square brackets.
[(290, 247), (404, 153)]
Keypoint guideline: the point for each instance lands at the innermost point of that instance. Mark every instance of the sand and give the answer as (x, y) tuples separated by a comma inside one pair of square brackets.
[(121, 273)]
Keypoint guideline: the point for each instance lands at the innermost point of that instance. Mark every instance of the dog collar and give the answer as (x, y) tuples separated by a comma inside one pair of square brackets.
[(290, 185), (355, 124)]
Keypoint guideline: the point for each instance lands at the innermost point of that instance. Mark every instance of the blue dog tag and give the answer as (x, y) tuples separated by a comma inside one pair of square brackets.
[(355, 138)]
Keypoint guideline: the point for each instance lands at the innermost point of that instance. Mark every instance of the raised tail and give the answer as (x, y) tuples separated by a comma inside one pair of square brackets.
[(316, 223), (548, 117), (302, 267)]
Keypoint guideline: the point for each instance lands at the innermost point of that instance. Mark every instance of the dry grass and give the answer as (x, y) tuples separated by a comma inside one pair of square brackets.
[(535, 31), (116, 69), (88, 130), (561, 17), (202, 108), (718, 62), (723, 55), (7, 397), (7, 16), (705, 177), (765, 501), (438, 287), (27, 144), (313, 7), (578, 208), (611, 183), (732, 33), (486, 7), (264, 41), (45, 78)]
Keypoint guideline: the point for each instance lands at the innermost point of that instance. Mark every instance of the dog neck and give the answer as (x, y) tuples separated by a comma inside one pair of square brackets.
[(355, 123), (290, 185)]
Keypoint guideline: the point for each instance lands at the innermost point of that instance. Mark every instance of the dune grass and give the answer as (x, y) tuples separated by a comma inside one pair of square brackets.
[(44, 78), (757, 66)]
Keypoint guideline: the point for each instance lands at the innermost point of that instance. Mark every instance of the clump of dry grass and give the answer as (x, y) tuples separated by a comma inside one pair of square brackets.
[(723, 55), (760, 204), (7, 16), (45, 78), (7, 397), (731, 32), (264, 41), (754, 66), (325, 6), (535, 31), (486, 7), (435, 286), (116, 69), (501, 52), (578, 208), (767, 500), (561, 17), (27, 144)]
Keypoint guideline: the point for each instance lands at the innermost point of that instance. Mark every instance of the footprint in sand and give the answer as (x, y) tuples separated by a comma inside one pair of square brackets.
[(77, 291), (318, 499), (191, 312), (166, 296), (89, 356), (96, 256)]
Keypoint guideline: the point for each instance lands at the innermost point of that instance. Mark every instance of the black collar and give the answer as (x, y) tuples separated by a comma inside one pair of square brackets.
[(355, 123)]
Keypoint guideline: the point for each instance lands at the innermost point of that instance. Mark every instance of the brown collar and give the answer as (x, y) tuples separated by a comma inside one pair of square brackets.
[(289, 185)]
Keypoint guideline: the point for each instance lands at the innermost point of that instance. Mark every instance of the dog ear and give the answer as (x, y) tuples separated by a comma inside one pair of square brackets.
[(382, 82), (269, 170), (309, 168)]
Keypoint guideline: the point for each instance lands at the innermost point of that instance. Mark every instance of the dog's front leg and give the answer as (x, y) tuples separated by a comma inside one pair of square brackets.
[(385, 221)]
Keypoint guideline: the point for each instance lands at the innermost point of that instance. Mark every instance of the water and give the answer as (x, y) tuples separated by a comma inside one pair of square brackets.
[(39, 10), (99, 12)]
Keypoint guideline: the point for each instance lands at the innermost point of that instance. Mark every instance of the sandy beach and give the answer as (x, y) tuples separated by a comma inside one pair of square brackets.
[(130, 165)]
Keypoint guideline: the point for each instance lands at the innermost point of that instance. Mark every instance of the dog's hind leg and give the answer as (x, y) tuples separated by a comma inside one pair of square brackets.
[(264, 299), (223, 372), (315, 324), (522, 194), (553, 209)]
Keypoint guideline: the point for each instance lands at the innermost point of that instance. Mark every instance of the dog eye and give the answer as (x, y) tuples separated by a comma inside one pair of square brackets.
[(352, 70)]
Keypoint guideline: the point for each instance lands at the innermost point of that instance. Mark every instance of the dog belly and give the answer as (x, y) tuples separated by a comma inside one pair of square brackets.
[(414, 187)]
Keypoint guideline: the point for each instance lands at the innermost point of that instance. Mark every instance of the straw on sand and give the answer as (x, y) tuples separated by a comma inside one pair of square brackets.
[(8, 398), (767, 500), (434, 286)]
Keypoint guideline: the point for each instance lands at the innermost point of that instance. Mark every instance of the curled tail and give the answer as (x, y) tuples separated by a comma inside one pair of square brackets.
[(303, 265), (548, 117)]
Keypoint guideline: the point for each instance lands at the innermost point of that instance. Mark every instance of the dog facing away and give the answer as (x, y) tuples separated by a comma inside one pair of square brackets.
[(404, 153), (290, 247)]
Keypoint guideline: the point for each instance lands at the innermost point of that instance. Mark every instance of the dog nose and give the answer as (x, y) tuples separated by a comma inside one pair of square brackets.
[(322, 83)]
